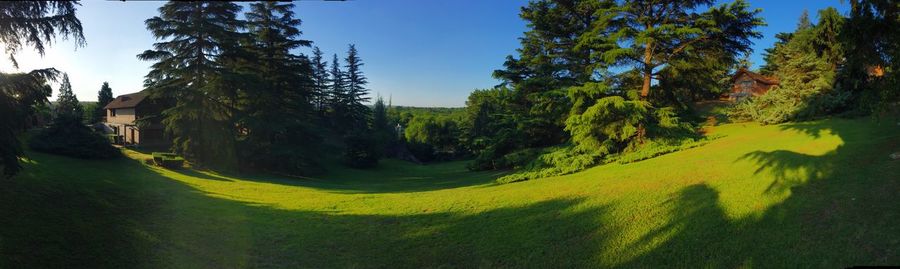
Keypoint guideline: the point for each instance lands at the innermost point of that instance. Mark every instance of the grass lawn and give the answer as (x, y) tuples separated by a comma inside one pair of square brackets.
[(820, 194)]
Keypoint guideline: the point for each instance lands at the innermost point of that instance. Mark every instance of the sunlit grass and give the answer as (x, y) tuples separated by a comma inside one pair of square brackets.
[(803, 195)]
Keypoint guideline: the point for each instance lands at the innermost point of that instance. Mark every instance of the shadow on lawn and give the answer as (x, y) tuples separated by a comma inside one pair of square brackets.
[(841, 210), (125, 215), (392, 177), (53, 218)]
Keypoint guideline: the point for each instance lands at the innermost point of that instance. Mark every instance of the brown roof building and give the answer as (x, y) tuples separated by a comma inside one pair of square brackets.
[(122, 115), (748, 84)]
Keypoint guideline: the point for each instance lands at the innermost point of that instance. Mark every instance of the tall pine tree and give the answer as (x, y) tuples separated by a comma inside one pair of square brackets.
[(67, 106), (104, 96), (278, 110), (337, 94), (320, 77), (356, 92), (187, 70)]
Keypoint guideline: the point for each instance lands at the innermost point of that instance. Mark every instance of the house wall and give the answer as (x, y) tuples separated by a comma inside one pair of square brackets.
[(124, 125), (123, 116), (757, 88)]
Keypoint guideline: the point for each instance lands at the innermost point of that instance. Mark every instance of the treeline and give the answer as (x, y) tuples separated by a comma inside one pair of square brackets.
[(241, 97), (839, 65)]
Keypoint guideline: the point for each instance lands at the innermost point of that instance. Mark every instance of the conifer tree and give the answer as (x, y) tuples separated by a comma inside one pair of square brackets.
[(320, 81), (804, 22), (646, 36), (356, 92), (277, 111), (188, 70), (104, 96), (67, 105), (379, 115), (337, 93)]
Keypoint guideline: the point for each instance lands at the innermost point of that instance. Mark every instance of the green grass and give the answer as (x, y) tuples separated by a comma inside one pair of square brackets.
[(820, 194)]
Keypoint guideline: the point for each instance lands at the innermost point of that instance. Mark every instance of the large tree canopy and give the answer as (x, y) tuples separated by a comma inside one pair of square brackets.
[(35, 25), (188, 69), (646, 36)]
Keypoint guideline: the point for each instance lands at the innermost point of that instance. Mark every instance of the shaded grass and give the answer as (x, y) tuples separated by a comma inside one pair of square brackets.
[(818, 194)]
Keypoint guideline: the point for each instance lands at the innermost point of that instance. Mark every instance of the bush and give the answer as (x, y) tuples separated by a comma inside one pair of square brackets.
[(168, 160), (69, 137), (113, 138)]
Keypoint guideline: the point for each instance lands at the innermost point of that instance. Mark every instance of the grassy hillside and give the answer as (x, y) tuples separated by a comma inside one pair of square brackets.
[(819, 194)]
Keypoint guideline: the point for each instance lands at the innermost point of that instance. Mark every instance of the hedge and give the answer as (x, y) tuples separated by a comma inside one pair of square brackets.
[(167, 160)]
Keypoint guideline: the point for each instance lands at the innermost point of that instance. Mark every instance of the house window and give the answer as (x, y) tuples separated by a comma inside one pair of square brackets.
[(112, 112)]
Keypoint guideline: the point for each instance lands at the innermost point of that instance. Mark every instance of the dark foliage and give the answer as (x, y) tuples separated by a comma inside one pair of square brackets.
[(26, 24), (198, 41), (21, 95), (361, 151), (104, 96), (168, 160), (68, 136)]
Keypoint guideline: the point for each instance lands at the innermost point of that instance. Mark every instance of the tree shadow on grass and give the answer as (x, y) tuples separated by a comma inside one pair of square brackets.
[(390, 177), (69, 213), (841, 210), (121, 214)]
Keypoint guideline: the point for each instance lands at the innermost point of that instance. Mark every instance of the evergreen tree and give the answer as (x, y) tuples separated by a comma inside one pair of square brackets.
[(804, 22), (379, 115), (28, 24), (277, 112), (871, 40), (67, 105), (646, 36), (381, 129), (320, 81), (826, 42), (337, 93), (36, 23), (104, 96), (188, 70), (805, 62), (768, 68), (356, 92), (549, 61)]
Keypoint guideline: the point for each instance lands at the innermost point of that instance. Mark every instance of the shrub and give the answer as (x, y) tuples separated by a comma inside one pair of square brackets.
[(69, 137), (168, 160)]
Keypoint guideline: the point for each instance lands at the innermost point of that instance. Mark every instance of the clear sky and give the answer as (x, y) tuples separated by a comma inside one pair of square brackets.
[(419, 53)]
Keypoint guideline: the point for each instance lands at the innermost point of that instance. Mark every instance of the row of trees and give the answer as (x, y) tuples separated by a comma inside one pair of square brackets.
[(242, 97)]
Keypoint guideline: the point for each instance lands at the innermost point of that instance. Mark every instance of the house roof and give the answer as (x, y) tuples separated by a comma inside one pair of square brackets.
[(755, 76), (127, 100)]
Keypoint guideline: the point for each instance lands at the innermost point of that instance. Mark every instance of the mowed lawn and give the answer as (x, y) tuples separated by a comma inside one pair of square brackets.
[(822, 195)]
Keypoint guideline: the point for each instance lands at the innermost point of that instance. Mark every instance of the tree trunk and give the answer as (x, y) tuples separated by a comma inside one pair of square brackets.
[(648, 71), (645, 88)]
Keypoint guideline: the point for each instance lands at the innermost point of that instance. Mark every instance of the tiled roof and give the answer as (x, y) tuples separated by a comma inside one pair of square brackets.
[(755, 76), (127, 100)]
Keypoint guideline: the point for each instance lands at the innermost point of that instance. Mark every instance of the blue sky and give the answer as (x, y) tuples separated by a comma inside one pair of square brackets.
[(419, 53)]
